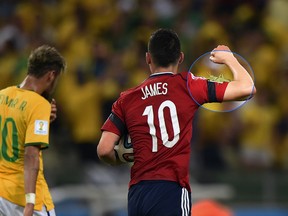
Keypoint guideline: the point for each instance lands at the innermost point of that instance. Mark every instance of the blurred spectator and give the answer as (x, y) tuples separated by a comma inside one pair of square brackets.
[(103, 42), (257, 137)]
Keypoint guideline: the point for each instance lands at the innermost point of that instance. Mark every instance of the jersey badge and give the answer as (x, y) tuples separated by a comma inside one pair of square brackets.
[(41, 127)]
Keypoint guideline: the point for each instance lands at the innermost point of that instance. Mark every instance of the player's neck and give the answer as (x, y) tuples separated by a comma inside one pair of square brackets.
[(171, 68), (31, 83)]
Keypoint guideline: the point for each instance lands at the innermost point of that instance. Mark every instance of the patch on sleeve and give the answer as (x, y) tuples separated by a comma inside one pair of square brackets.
[(41, 127)]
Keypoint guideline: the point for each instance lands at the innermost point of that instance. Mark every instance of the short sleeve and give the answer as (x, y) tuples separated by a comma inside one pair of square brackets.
[(115, 122), (204, 91), (220, 90), (38, 123)]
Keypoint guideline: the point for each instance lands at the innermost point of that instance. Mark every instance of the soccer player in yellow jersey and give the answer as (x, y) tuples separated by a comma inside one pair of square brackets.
[(25, 114)]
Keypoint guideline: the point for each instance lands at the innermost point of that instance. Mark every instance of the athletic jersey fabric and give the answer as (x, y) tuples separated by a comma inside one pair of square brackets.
[(158, 116), (24, 120)]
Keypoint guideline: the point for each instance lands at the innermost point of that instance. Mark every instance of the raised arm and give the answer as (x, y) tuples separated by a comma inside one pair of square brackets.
[(242, 86)]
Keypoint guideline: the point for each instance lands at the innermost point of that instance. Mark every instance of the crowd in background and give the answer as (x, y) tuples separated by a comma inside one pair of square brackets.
[(104, 43)]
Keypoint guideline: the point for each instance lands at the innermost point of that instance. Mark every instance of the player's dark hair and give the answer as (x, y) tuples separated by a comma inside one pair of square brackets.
[(43, 59), (164, 47)]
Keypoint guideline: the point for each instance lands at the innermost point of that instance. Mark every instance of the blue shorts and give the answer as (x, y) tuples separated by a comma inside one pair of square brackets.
[(158, 198)]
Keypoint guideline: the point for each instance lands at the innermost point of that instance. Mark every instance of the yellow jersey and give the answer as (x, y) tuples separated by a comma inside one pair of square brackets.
[(24, 120)]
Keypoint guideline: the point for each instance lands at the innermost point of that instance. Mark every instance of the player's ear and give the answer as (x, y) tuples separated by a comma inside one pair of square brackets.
[(148, 58), (181, 58), (50, 76)]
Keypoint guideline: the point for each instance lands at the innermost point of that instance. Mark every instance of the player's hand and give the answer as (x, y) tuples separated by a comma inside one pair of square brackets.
[(221, 55), (28, 210), (53, 114)]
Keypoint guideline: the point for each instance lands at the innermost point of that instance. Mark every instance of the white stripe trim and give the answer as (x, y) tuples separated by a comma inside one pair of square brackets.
[(185, 202)]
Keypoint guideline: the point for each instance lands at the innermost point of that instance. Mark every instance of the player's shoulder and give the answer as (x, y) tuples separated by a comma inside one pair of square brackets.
[(192, 78), (38, 99), (8, 89), (179, 77), (183, 75), (127, 92), (32, 97)]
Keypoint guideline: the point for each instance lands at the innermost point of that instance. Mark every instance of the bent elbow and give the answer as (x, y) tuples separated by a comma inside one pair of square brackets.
[(246, 93), (252, 92), (101, 152), (105, 154), (236, 92)]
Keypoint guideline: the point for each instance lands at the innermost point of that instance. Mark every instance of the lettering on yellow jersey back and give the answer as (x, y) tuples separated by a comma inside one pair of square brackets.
[(12, 102)]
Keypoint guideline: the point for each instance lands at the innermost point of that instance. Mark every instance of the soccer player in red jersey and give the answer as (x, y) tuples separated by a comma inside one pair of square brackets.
[(158, 116)]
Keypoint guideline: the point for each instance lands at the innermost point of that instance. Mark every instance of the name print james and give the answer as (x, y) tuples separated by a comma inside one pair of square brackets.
[(154, 89)]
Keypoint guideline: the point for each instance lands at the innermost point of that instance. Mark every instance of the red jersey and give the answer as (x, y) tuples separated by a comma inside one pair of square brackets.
[(158, 116)]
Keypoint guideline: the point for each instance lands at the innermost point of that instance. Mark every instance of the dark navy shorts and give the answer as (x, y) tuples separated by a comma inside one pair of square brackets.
[(158, 198)]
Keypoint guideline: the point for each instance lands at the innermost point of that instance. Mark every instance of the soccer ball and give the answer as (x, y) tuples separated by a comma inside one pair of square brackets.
[(124, 149)]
